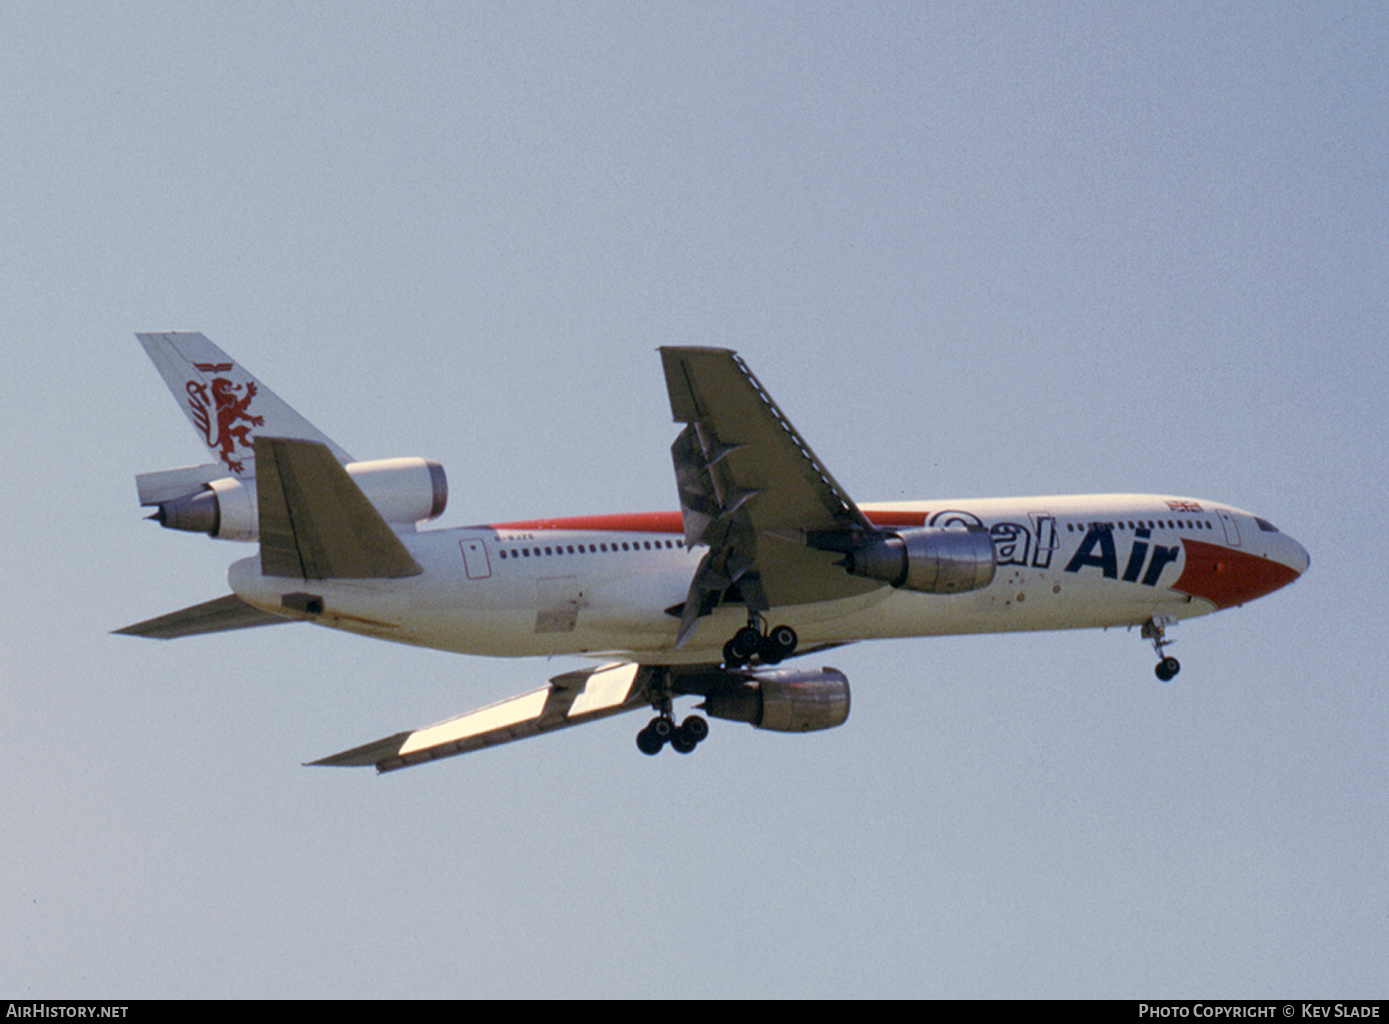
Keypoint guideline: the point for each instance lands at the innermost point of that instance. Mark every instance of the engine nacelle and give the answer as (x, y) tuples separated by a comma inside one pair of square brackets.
[(786, 700), (402, 490), (930, 559)]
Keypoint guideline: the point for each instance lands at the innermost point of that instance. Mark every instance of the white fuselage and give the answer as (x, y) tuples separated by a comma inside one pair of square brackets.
[(612, 586)]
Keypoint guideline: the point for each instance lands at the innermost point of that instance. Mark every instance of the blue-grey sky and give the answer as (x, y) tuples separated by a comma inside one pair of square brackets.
[(972, 250)]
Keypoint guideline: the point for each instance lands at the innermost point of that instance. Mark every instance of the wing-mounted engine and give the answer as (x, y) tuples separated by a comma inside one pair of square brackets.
[(204, 500), (928, 559), (784, 700)]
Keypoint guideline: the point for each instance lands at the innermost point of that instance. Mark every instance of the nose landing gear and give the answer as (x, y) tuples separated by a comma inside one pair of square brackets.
[(1155, 629)]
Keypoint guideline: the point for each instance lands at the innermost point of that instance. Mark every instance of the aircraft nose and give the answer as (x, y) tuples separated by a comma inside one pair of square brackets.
[(1297, 558)]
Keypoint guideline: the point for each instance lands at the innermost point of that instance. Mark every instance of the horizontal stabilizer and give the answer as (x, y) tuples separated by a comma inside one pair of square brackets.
[(570, 699), (315, 522), (216, 616)]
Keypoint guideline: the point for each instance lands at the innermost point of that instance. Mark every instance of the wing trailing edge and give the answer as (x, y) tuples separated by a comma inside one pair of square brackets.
[(751, 490)]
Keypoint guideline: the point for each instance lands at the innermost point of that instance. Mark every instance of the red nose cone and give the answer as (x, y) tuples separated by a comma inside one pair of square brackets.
[(1227, 577)]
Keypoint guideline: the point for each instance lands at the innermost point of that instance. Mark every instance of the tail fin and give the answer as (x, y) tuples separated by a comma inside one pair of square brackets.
[(225, 403)]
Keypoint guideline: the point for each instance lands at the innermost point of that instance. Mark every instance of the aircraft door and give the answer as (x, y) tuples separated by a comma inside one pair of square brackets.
[(1231, 527), (476, 562)]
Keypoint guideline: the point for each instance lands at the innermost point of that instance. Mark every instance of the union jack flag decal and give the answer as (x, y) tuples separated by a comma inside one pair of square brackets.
[(1184, 506)]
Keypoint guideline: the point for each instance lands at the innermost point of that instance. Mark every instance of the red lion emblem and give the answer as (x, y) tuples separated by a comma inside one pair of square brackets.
[(224, 417)]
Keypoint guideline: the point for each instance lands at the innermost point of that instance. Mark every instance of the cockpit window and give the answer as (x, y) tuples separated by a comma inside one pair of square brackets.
[(1265, 525)]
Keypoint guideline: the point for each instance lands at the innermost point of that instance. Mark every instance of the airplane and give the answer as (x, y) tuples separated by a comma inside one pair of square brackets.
[(767, 559)]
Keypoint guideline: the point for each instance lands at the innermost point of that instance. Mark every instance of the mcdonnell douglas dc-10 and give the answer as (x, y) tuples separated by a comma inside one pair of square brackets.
[(768, 558)]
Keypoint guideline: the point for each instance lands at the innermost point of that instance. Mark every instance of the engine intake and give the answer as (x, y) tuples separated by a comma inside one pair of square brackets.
[(784, 700), (931, 559)]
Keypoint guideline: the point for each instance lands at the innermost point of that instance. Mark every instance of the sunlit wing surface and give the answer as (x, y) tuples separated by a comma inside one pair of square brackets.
[(751, 489), (570, 699)]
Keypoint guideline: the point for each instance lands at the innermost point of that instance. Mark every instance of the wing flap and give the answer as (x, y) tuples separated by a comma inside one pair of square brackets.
[(315, 522), (216, 616), (570, 699), (748, 449), (751, 490)]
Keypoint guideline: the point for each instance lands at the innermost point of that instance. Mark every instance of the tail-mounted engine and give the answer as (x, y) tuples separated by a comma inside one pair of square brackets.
[(404, 491), (929, 559)]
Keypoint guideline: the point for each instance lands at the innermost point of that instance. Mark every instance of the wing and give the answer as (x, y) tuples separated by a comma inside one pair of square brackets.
[(570, 699), (753, 491)]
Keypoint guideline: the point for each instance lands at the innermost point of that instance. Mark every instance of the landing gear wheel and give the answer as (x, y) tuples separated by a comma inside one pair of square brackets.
[(745, 644), (749, 643), (784, 637), (691, 732), (657, 732), (1155, 629), (661, 730), (778, 644), (694, 728)]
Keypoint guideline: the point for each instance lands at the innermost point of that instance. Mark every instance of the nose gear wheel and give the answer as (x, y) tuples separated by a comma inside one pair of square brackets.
[(1155, 629)]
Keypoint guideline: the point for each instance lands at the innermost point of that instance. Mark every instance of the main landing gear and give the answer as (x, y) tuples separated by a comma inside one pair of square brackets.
[(683, 738), (1155, 629), (769, 646), (751, 642)]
